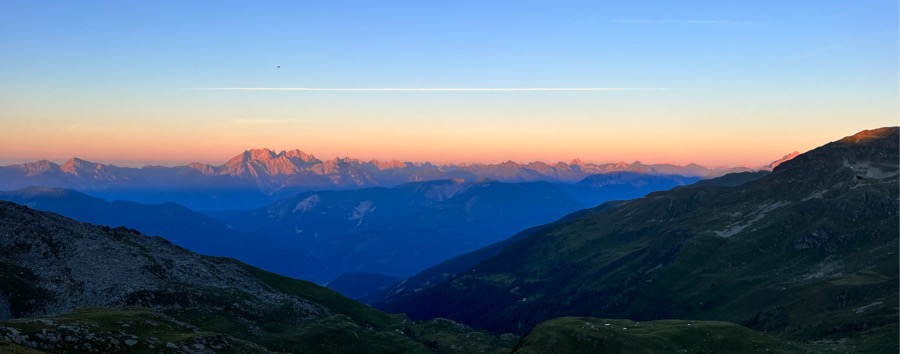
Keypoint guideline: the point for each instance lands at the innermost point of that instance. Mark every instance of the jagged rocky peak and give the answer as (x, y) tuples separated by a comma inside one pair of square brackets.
[(205, 169), (386, 165), (75, 164), (639, 167), (297, 154), (263, 154), (37, 167), (71, 165), (782, 160), (345, 160)]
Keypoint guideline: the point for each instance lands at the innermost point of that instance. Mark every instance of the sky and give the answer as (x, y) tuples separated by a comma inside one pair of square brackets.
[(712, 82)]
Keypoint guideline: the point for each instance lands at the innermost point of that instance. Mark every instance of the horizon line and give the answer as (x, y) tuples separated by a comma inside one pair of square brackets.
[(141, 163), (427, 89)]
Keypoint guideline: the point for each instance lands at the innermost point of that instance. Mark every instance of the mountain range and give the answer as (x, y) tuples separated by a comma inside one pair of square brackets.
[(800, 260), (257, 177), (71, 287), (807, 252), (396, 231)]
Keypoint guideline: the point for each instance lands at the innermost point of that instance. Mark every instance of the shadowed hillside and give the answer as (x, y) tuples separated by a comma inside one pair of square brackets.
[(808, 252)]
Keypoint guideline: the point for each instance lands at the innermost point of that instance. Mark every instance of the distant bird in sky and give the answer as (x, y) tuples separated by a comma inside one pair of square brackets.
[(279, 66)]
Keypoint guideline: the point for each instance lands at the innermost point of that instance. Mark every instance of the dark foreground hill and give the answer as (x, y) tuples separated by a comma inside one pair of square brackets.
[(808, 252), (147, 295), (178, 224), (70, 287), (595, 335)]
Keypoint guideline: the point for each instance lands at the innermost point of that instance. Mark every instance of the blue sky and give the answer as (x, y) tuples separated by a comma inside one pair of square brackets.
[(116, 81)]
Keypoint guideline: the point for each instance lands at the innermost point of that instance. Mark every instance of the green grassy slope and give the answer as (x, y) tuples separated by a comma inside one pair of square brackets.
[(132, 330), (594, 335), (808, 252)]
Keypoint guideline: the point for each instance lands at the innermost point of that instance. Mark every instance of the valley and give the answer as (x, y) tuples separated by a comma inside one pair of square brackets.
[(799, 260), (450, 177)]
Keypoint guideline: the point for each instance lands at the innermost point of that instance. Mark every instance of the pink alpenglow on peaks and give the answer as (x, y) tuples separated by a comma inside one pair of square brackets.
[(782, 160), (272, 171)]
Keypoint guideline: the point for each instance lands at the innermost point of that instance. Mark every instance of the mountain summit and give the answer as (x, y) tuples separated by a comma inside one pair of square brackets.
[(257, 177), (807, 252)]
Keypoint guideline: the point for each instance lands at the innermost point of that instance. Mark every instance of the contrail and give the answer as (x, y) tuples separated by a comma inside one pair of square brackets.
[(687, 22), (432, 89)]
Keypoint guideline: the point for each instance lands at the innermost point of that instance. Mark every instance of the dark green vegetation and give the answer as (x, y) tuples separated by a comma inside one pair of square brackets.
[(117, 330), (729, 180), (808, 253), (144, 291), (448, 269), (594, 335)]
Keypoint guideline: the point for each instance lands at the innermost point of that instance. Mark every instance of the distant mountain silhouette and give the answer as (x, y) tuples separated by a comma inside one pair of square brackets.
[(260, 176), (320, 235), (395, 231), (183, 226)]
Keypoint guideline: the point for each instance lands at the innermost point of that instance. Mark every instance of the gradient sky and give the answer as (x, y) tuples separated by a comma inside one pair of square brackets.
[(718, 82)]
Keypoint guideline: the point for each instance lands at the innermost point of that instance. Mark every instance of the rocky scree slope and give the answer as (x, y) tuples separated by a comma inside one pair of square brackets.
[(148, 295), (67, 264)]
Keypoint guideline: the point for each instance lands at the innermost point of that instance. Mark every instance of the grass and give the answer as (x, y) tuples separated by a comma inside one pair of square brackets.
[(134, 330), (12, 348), (323, 296), (808, 269), (594, 335), (120, 330)]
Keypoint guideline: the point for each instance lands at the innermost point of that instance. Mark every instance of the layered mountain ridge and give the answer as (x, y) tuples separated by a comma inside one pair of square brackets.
[(802, 259), (158, 298), (258, 176), (807, 252), (319, 235)]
